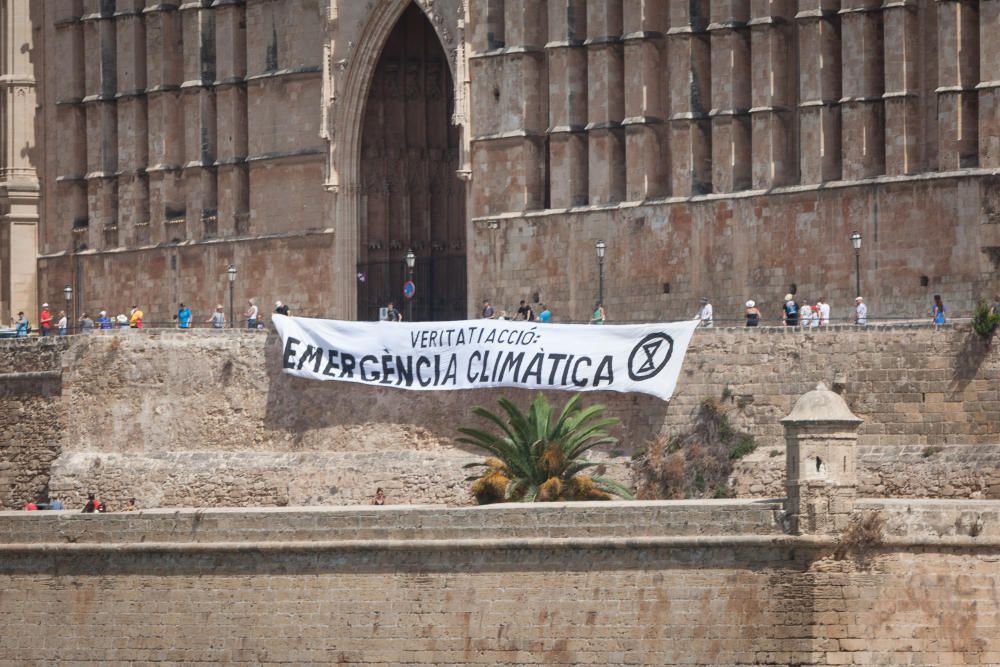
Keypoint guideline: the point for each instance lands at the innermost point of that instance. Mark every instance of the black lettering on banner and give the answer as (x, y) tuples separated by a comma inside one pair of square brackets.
[(534, 369), (288, 358), (483, 375), (404, 371), (512, 363), (451, 373), (312, 354), (368, 359), (491, 336), (471, 374), (386, 369), (605, 371), (650, 356), (461, 337), (347, 365), (556, 360), (576, 367), (423, 362), (331, 363)]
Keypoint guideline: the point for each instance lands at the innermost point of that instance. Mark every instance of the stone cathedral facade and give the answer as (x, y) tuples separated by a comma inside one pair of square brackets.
[(720, 148)]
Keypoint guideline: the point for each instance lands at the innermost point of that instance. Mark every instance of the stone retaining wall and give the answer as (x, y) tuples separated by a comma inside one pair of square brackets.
[(695, 583), (207, 417)]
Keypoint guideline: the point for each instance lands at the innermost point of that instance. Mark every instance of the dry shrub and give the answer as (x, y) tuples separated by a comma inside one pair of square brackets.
[(695, 464), (865, 533)]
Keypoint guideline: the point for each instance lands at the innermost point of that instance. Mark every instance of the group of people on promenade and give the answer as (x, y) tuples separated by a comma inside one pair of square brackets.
[(182, 319), (92, 506)]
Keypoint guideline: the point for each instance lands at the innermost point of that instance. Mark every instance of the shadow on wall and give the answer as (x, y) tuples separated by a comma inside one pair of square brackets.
[(296, 406)]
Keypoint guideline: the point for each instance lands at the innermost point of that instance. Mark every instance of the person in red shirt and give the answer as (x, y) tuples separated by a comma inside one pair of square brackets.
[(31, 507), (45, 320)]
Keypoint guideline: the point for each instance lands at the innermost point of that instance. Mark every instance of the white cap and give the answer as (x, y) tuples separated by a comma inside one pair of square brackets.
[(45, 305), (750, 304), (859, 299)]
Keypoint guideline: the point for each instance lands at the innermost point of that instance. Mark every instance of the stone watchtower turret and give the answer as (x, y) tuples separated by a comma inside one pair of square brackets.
[(821, 435)]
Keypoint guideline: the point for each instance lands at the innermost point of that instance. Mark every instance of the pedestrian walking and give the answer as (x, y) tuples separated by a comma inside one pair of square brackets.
[(45, 320), (218, 318), (251, 314), (86, 324), (860, 312), (135, 317), (791, 311), (103, 321), (392, 314), (752, 314), (937, 310), (22, 327), (824, 311), (599, 314), (705, 313), (183, 317), (61, 324)]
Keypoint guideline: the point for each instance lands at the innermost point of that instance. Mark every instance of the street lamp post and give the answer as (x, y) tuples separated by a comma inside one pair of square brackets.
[(71, 316), (231, 271), (411, 261), (856, 242), (600, 247)]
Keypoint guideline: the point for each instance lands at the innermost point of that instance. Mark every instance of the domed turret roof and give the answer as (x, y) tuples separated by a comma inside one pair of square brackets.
[(821, 405)]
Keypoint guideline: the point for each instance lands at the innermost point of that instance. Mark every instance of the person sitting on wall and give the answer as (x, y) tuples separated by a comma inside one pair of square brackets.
[(379, 498), (280, 308), (93, 505), (130, 506)]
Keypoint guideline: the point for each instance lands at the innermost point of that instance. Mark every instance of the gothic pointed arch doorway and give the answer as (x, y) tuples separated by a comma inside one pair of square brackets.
[(411, 196)]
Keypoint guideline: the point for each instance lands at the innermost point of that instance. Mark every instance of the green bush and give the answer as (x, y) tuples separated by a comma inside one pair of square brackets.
[(984, 320)]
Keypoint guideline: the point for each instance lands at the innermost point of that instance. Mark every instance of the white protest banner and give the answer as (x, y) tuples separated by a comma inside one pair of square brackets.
[(472, 354)]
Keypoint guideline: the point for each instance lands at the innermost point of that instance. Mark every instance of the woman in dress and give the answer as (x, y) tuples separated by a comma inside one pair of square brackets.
[(937, 310), (752, 313), (599, 314)]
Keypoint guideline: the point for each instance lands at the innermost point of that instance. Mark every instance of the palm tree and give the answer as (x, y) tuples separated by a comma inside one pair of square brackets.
[(536, 460)]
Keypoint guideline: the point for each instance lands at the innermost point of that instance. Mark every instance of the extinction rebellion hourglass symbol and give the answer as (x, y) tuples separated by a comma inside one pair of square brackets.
[(650, 356)]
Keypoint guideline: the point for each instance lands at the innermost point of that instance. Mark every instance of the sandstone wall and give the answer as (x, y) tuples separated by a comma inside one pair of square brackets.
[(180, 418), (710, 583)]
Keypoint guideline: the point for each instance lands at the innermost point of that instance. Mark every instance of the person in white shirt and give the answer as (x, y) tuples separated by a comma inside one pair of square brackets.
[(61, 324), (814, 315), (805, 313), (251, 314), (705, 312), (824, 312), (861, 317)]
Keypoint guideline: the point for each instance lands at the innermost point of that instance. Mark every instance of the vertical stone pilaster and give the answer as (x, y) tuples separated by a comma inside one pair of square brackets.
[(730, 45), (690, 71), (774, 94), (567, 65), (605, 101), (164, 74), (200, 123), (958, 75), (19, 186), (231, 109), (903, 128), (102, 123), (819, 91), (133, 186), (989, 84), (644, 26), (510, 111), (863, 109), (821, 463)]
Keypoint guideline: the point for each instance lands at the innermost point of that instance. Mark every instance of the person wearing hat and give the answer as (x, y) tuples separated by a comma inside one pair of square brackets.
[(280, 308), (861, 310), (45, 320), (218, 318), (791, 311), (103, 321), (752, 313), (704, 312)]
